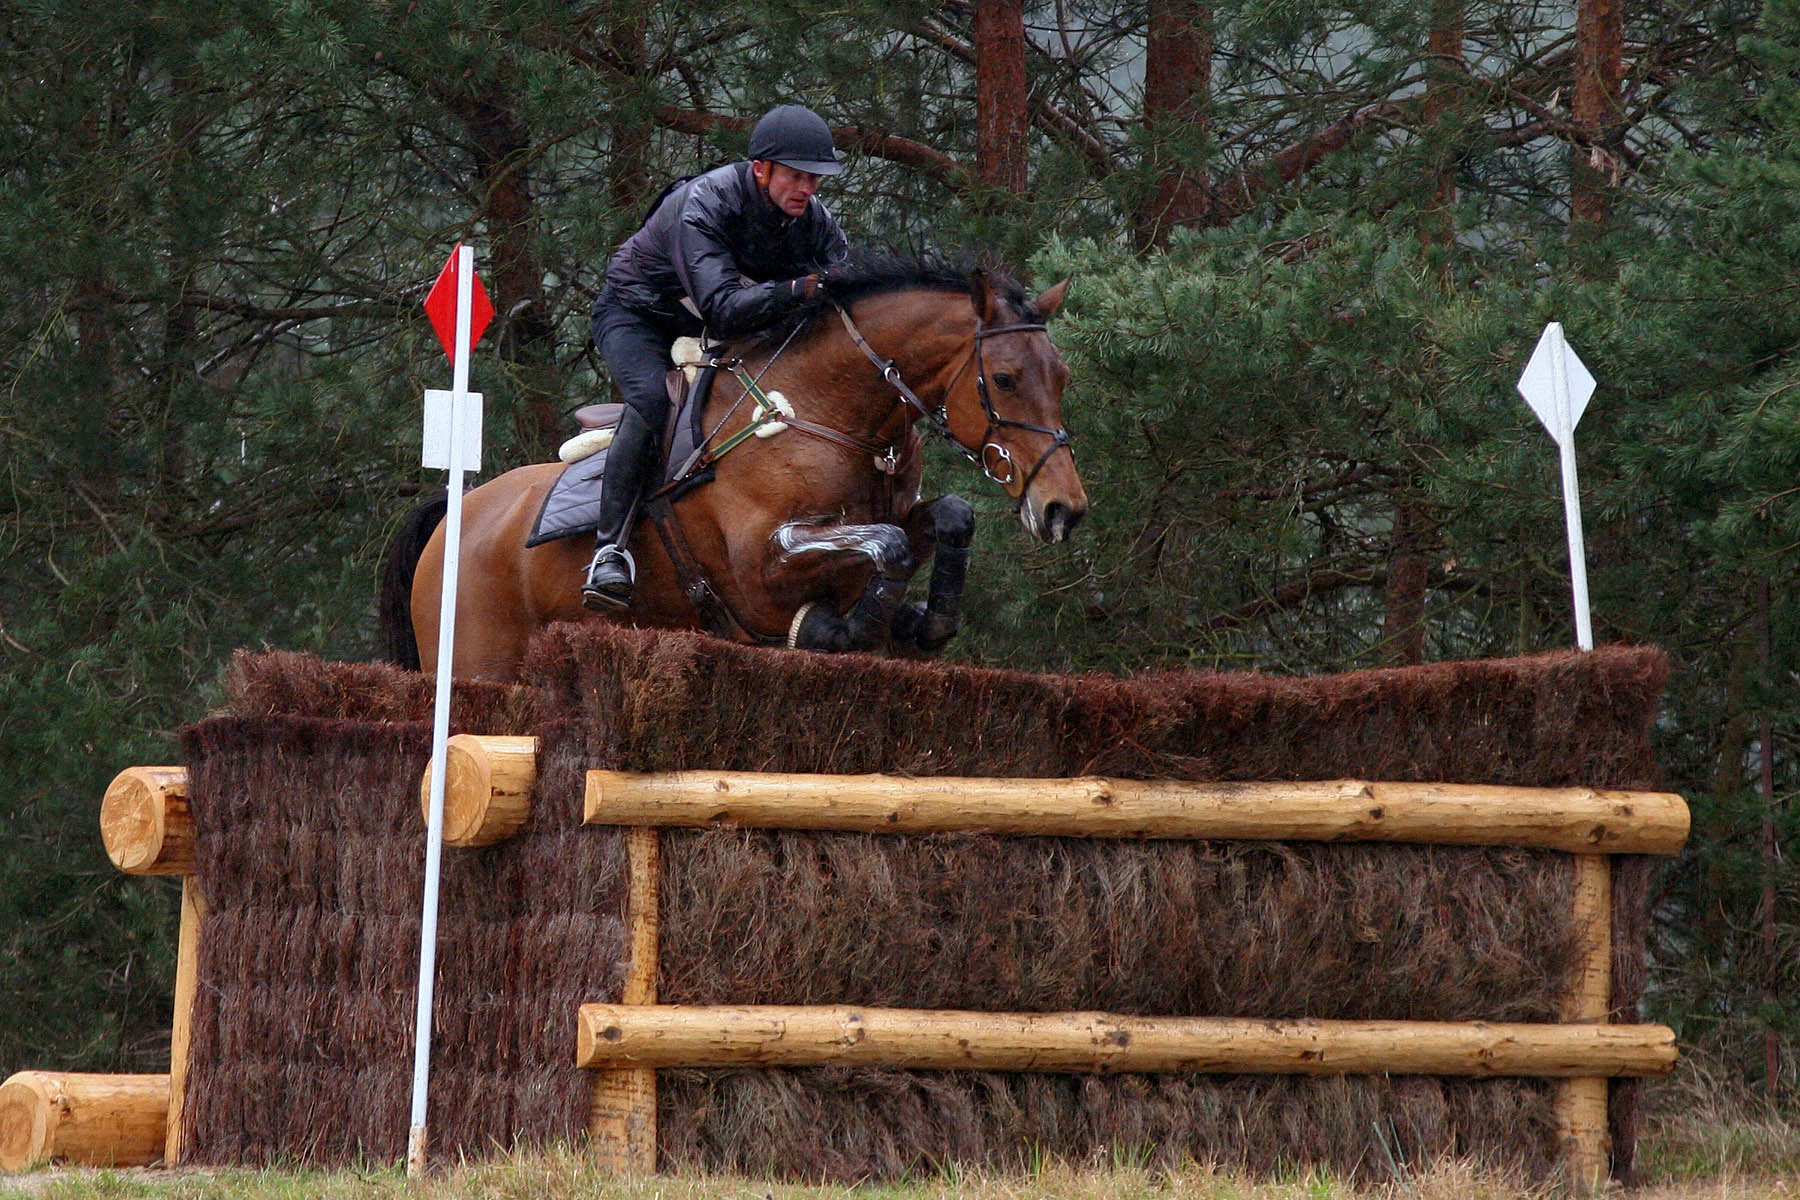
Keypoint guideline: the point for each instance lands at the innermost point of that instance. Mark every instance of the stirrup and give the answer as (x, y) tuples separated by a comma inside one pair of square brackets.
[(613, 592)]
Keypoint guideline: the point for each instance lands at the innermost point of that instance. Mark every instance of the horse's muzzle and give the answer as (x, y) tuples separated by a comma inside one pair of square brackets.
[(1060, 520), (1054, 522)]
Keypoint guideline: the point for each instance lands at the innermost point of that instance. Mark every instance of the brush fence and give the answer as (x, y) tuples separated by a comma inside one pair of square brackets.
[(489, 782)]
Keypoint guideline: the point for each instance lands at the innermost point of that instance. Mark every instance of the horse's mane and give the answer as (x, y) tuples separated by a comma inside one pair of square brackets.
[(881, 272)]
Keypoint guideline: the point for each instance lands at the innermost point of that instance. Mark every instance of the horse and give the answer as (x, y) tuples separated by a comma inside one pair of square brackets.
[(806, 539)]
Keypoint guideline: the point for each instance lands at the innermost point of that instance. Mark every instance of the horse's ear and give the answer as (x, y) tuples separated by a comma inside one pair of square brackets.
[(1051, 299), (981, 294)]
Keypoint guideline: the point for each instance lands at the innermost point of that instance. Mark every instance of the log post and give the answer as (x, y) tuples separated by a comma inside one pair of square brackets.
[(622, 1122), (1087, 1042), (1580, 820), (148, 830), (487, 787), (1583, 1132), (181, 1024), (144, 821), (84, 1120)]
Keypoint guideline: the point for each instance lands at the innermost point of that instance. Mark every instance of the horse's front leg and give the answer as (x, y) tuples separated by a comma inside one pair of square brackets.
[(818, 625), (948, 525)]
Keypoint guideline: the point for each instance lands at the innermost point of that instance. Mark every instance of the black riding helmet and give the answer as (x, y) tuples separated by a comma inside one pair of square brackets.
[(795, 137)]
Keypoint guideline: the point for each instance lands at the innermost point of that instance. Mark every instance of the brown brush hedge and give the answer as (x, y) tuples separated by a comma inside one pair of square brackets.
[(309, 845)]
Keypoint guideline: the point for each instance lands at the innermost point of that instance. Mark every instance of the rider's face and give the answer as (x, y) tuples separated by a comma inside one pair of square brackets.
[(789, 190)]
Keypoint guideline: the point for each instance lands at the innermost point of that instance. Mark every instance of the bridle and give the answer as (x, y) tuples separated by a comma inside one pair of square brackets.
[(991, 451)]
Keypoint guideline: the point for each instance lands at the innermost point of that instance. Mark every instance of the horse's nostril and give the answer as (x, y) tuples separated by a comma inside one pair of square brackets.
[(1060, 520)]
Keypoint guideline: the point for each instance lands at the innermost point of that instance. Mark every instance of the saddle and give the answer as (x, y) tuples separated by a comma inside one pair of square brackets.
[(572, 507)]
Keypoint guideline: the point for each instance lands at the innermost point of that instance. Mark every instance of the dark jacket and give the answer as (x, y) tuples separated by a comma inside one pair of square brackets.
[(738, 254)]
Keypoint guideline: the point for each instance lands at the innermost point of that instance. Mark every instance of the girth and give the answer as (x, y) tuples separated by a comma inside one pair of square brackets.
[(720, 619)]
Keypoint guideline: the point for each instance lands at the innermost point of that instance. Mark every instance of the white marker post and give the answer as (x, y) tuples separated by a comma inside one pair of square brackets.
[(449, 422), (1557, 385)]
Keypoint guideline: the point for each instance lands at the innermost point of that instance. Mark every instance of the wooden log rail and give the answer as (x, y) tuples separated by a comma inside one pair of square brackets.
[(626, 1035), (1580, 820), (83, 1120)]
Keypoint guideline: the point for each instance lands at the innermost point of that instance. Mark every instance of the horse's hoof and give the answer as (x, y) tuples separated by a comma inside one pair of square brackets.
[(818, 627), (918, 630), (934, 635)]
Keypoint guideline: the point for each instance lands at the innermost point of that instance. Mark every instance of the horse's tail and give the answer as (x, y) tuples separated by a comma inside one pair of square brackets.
[(393, 603)]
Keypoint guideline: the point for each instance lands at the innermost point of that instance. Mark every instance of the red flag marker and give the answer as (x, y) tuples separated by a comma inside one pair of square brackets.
[(440, 306)]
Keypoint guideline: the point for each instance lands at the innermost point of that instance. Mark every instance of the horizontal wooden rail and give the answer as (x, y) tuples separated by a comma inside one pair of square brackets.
[(85, 1120), (144, 821), (1581, 820), (620, 1035)]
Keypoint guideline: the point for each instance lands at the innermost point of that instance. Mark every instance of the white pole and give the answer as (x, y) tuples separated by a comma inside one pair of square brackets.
[(1565, 442), (440, 731)]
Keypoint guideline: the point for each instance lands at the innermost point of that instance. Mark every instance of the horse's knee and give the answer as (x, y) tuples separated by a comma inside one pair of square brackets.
[(886, 546), (953, 521), (893, 556)]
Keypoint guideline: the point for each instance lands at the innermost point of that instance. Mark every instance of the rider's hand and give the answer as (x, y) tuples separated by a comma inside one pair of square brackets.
[(804, 287)]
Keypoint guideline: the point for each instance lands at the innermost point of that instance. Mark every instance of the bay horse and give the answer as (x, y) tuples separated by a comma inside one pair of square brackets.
[(806, 539)]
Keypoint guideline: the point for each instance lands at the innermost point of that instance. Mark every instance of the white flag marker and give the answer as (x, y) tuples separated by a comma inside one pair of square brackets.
[(1557, 385), (459, 310)]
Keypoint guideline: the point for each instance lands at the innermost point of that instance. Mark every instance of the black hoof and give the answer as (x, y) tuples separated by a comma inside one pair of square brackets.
[(818, 627), (929, 632)]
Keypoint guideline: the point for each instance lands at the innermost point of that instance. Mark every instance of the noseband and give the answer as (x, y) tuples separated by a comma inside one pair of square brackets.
[(939, 417)]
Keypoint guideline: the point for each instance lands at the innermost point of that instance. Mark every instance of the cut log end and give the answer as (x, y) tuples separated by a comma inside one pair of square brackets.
[(487, 788), (24, 1124), (144, 821)]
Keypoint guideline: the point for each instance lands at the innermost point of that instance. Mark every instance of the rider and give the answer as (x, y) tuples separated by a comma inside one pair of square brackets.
[(735, 249)]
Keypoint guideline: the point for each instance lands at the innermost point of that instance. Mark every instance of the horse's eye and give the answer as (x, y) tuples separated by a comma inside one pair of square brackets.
[(1004, 381)]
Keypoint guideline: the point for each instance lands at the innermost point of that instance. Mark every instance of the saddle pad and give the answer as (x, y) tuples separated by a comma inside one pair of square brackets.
[(573, 504)]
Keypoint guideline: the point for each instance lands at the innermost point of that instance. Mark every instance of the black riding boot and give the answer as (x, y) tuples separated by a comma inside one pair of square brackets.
[(613, 572)]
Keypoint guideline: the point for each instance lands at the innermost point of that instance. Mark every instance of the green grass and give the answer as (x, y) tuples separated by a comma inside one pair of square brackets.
[(568, 1176), (1698, 1142)]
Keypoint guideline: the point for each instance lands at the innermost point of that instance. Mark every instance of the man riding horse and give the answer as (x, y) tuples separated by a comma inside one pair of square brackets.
[(733, 251)]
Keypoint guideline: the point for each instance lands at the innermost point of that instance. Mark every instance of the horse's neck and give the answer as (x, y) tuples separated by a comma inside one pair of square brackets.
[(922, 335)]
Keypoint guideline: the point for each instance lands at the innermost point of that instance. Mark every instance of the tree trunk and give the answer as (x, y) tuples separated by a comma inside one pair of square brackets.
[(628, 164), (502, 149), (1599, 68), (1001, 102), (1444, 51), (1403, 624), (1771, 858), (1177, 87)]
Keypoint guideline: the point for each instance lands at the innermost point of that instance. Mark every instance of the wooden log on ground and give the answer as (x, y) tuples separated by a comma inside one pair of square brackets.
[(487, 787), (614, 1035), (1580, 820), (144, 821), (83, 1120)]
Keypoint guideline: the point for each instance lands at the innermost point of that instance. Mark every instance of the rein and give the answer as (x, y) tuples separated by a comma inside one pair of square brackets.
[(939, 418), (887, 457)]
